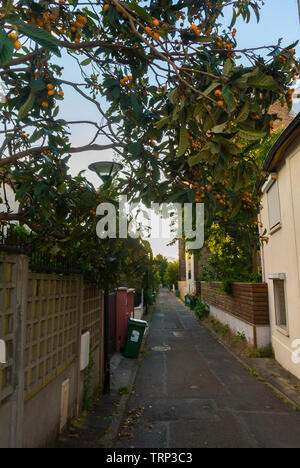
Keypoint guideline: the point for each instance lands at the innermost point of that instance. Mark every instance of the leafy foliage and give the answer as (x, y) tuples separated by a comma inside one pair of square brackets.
[(201, 310), (172, 274), (173, 99)]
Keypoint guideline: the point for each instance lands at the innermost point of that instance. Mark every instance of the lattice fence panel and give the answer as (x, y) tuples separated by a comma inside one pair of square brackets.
[(8, 316), (92, 313), (51, 328)]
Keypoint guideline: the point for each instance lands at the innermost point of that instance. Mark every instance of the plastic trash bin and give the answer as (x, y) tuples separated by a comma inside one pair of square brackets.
[(135, 334), (177, 293)]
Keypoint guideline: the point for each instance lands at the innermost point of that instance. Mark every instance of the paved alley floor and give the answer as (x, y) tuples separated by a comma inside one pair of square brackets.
[(191, 392)]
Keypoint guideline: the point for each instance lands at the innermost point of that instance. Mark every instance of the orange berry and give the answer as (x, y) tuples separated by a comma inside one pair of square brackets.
[(51, 92), (218, 92), (45, 104), (49, 86), (106, 7), (156, 22), (13, 36), (156, 36), (17, 45)]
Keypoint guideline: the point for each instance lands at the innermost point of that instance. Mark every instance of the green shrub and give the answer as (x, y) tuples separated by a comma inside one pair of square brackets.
[(201, 310)]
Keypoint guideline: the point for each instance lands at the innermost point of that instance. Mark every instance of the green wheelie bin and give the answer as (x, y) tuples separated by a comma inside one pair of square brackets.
[(135, 334)]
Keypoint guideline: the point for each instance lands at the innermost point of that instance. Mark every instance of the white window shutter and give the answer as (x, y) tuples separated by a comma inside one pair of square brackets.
[(274, 206)]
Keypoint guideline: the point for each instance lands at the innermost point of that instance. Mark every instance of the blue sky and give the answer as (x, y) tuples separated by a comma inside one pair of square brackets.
[(279, 18)]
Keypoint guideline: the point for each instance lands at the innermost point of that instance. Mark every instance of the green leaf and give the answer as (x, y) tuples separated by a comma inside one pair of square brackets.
[(172, 95), (56, 111), (233, 21), (137, 109), (6, 48), (162, 122), (219, 128), (263, 81), (228, 66), (243, 115), (195, 159), (40, 188), (27, 106), (211, 87), (40, 36), (228, 96), (37, 134), (250, 134), (135, 148), (23, 190), (205, 39), (256, 11), (86, 62), (37, 85), (183, 141), (140, 11)]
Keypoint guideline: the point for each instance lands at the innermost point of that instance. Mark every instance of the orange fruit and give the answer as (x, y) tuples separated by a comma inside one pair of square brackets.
[(17, 45)]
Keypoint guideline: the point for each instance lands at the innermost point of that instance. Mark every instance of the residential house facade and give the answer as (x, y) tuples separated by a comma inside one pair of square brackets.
[(280, 251), (190, 270)]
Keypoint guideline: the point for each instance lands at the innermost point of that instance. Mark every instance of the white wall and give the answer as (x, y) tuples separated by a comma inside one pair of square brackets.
[(282, 255), (239, 326)]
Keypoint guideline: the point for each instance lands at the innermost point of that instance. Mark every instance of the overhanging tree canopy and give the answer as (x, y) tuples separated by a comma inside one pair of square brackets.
[(180, 102)]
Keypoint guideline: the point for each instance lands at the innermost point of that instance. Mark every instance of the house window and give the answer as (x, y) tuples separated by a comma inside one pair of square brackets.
[(274, 206), (280, 303)]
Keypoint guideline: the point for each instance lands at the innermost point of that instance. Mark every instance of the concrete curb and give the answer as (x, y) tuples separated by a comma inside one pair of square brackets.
[(250, 366)]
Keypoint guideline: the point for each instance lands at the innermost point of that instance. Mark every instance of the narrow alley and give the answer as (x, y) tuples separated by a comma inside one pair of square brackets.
[(191, 392)]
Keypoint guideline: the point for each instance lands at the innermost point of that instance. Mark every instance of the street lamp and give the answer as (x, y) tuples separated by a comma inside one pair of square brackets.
[(106, 170)]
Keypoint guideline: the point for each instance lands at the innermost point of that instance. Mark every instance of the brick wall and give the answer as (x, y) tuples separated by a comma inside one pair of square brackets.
[(182, 267), (248, 302), (201, 262), (283, 113)]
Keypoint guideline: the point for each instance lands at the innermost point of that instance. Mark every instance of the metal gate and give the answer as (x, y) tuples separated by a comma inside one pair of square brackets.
[(112, 323)]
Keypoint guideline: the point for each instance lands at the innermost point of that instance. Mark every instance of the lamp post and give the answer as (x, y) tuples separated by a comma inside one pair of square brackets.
[(106, 170)]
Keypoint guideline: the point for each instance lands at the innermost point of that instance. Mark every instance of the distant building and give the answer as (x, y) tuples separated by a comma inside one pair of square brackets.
[(190, 270)]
